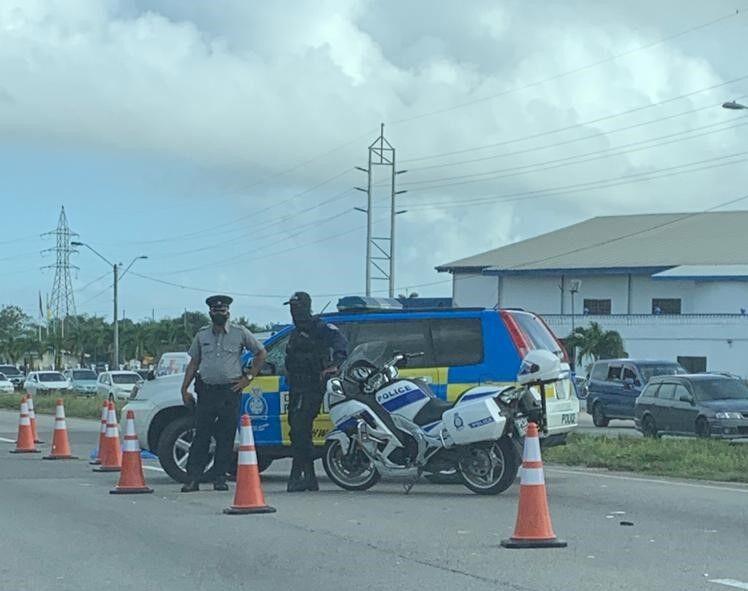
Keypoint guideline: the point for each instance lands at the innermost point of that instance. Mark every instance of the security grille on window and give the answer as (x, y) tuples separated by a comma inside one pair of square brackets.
[(666, 306), (597, 307)]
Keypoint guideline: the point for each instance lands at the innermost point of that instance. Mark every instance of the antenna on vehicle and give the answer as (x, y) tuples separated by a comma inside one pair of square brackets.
[(322, 311)]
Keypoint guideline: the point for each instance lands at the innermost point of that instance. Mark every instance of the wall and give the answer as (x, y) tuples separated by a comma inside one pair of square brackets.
[(474, 291)]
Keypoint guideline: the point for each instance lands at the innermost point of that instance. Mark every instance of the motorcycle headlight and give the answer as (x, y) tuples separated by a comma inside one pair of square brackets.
[(335, 393)]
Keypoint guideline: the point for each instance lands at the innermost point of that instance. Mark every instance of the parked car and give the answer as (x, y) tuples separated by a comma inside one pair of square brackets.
[(81, 380), (707, 405), (615, 384), (461, 349), (45, 382), (6, 386), (117, 383), (15, 375)]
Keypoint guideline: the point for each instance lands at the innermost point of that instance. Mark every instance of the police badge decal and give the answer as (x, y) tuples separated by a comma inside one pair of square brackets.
[(256, 403)]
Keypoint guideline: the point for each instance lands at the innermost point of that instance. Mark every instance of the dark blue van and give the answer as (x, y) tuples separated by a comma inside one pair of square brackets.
[(462, 347), (615, 384)]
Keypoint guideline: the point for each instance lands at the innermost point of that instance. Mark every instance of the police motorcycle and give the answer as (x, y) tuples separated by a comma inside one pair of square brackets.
[(388, 426)]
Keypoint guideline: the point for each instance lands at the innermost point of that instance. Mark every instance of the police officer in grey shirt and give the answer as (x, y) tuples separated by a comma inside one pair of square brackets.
[(216, 366)]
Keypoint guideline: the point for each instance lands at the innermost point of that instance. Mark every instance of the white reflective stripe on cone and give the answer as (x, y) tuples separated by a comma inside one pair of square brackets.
[(103, 427), (131, 445), (246, 436), (531, 452), (112, 432), (24, 409), (130, 428), (25, 421), (112, 418), (532, 476), (60, 424), (247, 458), (60, 412)]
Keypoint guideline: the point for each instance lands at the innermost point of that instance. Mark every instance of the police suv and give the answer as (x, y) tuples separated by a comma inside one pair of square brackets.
[(461, 348)]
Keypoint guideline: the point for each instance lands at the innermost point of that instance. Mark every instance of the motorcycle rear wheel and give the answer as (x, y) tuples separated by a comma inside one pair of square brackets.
[(355, 474), (489, 468)]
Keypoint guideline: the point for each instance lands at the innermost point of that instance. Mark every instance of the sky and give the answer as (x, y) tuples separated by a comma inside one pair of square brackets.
[(220, 139)]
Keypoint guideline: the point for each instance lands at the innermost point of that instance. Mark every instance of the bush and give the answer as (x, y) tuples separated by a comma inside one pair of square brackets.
[(84, 407)]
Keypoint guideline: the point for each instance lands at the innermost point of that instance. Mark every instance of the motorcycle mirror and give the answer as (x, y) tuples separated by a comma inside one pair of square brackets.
[(401, 360)]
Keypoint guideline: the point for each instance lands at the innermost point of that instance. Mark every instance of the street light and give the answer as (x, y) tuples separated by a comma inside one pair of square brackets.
[(115, 270), (574, 286), (733, 105)]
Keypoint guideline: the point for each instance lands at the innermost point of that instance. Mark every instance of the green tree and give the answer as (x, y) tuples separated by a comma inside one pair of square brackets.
[(17, 334), (594, 342)]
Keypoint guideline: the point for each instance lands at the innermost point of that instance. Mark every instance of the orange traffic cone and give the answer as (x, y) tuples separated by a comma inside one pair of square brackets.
[(111, 452), (32, 418), (102, 433), (60, 442), (131, 480), (248, 497), (533, 528), (25, 439)]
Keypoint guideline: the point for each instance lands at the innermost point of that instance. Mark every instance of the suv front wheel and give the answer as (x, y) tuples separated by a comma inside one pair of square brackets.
[(598, 415), (174, 450)]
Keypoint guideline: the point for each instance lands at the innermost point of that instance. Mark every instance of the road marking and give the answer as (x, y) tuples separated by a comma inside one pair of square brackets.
[(154, 468), (651, 480), (730, 583), (6, 440)]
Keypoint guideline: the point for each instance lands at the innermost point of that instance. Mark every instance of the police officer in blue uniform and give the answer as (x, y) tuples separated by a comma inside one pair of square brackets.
[(314, 352), (216, 365)]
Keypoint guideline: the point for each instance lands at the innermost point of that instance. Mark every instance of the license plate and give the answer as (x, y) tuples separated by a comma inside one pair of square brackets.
[(521, 425), (569, 418)]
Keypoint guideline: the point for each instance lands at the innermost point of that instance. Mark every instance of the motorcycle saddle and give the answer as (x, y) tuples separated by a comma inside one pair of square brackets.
[(432, 411)]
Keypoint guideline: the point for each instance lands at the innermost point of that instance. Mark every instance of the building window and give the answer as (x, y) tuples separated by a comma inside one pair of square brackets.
[(666, 306), (597, 307), (693, 364)]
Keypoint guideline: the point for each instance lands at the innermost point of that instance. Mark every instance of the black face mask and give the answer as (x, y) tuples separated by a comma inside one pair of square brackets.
[(219, 319), (301, 316)]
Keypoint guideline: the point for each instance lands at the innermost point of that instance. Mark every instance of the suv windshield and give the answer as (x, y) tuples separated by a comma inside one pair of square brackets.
[(649, 371), (721, 389), (10, 370), (3, 378), (125, 378), (51, 376), (84, 374)]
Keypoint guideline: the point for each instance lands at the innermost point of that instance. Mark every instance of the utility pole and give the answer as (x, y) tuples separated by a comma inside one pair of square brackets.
[(380, 250), (115, 349)]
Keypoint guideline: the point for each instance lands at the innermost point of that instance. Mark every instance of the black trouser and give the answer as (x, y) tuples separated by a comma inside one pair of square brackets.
[(216, 414), (303, 407)]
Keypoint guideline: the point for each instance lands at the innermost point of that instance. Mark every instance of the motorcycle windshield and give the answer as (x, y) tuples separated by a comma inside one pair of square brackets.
[(373, 352)]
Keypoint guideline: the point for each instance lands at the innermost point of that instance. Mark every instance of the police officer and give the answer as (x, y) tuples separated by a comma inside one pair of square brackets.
[(216, 365), (315, 350)]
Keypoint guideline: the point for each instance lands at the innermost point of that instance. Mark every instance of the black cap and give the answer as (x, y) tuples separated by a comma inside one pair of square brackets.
[(219, 301), (300, 298)]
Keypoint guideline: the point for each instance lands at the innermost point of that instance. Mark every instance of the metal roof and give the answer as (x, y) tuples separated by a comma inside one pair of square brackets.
[(705, 272), (625, 241)]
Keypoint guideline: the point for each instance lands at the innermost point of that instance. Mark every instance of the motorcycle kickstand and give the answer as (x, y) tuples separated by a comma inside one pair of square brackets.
[(408, 486)]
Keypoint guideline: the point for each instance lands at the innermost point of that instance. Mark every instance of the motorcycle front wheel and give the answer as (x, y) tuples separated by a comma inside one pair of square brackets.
[(354, 472), (489, 468)]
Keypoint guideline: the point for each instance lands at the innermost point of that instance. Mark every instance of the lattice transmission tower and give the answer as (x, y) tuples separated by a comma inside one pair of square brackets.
[(61, 302)]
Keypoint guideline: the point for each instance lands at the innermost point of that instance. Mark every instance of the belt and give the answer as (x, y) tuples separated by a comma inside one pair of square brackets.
[(217, 386)]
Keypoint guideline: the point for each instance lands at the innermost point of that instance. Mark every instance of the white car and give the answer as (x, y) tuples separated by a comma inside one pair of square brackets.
[(6, 386), (119, 384), (45, 382)]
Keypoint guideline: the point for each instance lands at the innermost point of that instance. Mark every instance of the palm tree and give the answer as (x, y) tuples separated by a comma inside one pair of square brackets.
[(595, 343)]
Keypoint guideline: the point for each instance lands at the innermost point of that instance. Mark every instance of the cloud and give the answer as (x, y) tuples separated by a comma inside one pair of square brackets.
[(239, 91)]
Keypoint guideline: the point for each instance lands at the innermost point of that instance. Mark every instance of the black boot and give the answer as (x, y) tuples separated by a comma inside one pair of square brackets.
[(220, 484), (310, 478), (295, 481), (192, 486)]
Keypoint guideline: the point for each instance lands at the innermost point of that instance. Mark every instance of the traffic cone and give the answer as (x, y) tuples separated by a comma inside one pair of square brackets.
[(102, 433), (32, 418), (111, 452), (131, 479), (533, 528), (25, 439), (248, 497), (60, 442)]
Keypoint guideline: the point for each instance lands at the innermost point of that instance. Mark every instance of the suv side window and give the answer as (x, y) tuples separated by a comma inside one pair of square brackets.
[(681, 390), (629, 373), (667, 392), (599, 371), (614, 373), (277, 356), (650, 391), (457, 341), (405, 336)]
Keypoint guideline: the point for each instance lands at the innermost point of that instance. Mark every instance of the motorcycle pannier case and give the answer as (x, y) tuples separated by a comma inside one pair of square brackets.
[(470, 422)]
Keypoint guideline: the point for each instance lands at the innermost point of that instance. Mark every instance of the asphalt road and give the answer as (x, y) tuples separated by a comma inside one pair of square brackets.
[(61, 530), (615, 427)]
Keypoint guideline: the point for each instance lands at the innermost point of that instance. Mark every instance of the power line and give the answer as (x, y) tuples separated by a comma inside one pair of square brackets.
[(580, 124), (90, 283), (560, 75)]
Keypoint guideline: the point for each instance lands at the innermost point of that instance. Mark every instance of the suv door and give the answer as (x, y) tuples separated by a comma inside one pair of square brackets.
[(612, 391), (631, 387), (683, 412)]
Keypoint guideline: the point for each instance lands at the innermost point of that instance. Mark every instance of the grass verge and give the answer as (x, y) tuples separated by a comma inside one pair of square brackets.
[(84, 407), (702, 459)]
